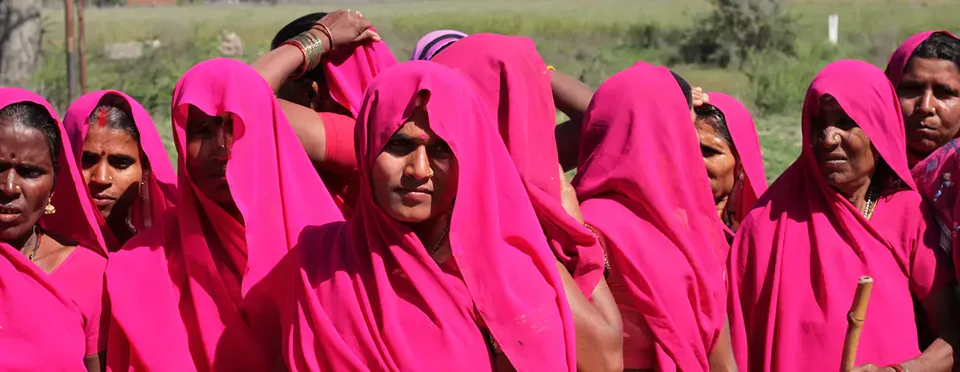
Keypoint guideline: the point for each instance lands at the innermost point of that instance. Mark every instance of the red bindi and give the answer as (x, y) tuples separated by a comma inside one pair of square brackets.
[(103, 153), (102, 118)]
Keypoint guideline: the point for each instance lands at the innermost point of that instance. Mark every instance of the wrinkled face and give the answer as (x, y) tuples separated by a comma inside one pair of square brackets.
[(929, 95), (719, 157), (209, 141), (844, 154), (414, 178), (112, 168), (26, 179)]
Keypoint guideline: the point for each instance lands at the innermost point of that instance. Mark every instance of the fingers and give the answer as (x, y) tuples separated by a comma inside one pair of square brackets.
[(367, 35)]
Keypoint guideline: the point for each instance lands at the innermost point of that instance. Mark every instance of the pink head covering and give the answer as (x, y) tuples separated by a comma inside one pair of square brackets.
[(349, 75), (432, 43), (51, 335), (799, 253), (375, 299), (511, 78), (642, 184), (160, 191), (744, 134), (200, 264), (901, 57)]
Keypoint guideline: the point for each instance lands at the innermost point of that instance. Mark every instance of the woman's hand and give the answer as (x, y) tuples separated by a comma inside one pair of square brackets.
[(347, 27), (568, 197), (699, 97), (872, 368)]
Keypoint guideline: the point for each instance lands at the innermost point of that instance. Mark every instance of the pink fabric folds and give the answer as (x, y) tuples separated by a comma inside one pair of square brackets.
[(901, 57), (61, 325), (376, 300), (199, 265), (349, 74), (643, 186), (799, 253), (161, 183), (511, 78), (936, 178), (744, 134)]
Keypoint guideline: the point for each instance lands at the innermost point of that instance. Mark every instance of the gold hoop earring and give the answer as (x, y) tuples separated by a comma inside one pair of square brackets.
[(49, 209)]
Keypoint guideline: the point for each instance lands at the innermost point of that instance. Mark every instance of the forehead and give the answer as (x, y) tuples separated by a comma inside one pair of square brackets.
[(109, 137), (23, 141), (939, 70)]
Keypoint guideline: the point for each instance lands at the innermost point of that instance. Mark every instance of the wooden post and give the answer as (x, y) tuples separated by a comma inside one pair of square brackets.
[(855, 319), (71, 69), (82, 37)]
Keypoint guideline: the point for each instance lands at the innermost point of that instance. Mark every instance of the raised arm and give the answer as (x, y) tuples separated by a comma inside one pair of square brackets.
[(572, 97)]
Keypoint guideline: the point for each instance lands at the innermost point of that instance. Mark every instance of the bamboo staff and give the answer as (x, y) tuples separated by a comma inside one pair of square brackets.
[(82, 51), (855, 318)]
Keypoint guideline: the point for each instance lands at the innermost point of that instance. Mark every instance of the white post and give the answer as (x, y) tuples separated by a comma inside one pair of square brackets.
[(833, 22)]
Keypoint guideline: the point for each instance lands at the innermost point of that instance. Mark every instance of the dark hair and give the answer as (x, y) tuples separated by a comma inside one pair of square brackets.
[(711, 115), (36, 116), (939, 46), (115, 113), (298, 26), (685, 87)]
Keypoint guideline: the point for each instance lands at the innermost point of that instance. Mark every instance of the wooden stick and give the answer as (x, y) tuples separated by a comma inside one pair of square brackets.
[(82, 51), (855, 319), (71, 68)]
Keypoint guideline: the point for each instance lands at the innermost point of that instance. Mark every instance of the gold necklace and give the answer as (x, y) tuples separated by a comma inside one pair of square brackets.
[(871, 203), (436, 247), (36, 245)]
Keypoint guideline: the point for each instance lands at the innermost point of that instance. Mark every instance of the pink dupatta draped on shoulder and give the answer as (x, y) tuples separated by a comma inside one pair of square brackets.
[(181, 292), (511, 78), (643, 186), (51, 321), (744, 134), (160, 192), (937, 178), (799, 253), (370, 297)]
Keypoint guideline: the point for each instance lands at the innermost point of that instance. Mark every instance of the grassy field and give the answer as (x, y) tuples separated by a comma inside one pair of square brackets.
[(587, 39)]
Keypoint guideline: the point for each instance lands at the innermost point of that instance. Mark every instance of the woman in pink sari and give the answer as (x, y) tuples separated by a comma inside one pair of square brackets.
[(925, 70), (472, 283), (52, 258), (731, 152), (644, 189), (846, 208), (512, 80), (319, 66), (124, 163), (937, 184), (181, 291)]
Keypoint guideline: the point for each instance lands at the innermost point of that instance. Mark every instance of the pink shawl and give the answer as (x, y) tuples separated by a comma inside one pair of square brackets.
[(936, 178), (643, 186), (349, 74), (62, 325), (799, 253), (371, 298), (744, 134), (160, 191), (199, 264), (511, 78)]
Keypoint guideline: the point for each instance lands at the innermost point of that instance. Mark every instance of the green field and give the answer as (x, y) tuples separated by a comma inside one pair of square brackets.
[(586, 39)]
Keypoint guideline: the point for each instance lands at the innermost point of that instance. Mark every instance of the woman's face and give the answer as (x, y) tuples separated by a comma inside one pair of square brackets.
[(845, 155), (719, 157), (209, 141), (415, 176), (26, 179), (929, 95), (112, 168)]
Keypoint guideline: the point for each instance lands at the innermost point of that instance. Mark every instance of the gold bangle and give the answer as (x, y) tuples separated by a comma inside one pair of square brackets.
[(312, 48)]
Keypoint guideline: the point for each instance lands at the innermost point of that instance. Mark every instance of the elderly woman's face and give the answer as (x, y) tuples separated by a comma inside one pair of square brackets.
[(844, 154), (209, 142), (929, 95), (26, 178), (719, 158), (414, 178)]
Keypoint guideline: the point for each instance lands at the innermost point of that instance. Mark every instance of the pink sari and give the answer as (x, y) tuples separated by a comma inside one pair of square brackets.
[(160, 191), (799, 253), (348, 76), (370, 297), (936, 178), (643, 186), (51, 321), (199, 265), (511, 78), (744, 134)]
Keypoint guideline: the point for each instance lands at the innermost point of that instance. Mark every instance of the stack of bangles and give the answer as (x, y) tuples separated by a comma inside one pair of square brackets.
[(311, 48)]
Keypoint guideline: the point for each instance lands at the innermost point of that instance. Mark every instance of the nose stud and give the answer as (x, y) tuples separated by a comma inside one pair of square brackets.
[(430, 173), (836, 138)]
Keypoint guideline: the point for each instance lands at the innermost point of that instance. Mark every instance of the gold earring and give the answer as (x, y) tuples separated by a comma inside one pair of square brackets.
[(49, 209)]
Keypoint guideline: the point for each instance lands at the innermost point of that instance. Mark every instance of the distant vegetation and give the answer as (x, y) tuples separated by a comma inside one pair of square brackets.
[(764, 52)]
